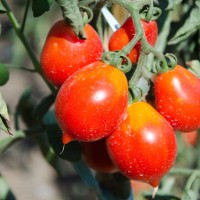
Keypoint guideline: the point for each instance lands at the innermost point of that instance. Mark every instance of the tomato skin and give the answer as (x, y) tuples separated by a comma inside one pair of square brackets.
[(92, 102), (190, 138), (177, 98), (96, 156), (126, 32), (64, 53), (144, 146)]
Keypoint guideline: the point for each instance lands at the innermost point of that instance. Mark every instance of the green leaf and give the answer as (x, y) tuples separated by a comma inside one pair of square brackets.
[(191, 25), (39, 7), (6, 142), (5, 192), (173, 3), (72, 15), (194, 67), (44, 106), (4, 74), (71, 151), (4, 117), (2, 9)]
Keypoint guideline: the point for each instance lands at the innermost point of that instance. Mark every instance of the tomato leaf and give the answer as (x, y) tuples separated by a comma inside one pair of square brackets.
[(71, 151), (172, 4), (191, 25), (44, 106), (2, 9), (5, 192), (39, 7), (4, 74), (72, 15), (4, 117), (6, 142), (194, 67)]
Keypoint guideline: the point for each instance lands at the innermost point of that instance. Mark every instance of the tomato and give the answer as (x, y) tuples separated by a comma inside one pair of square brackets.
[(125, 34), (96, 156), (64, 53), (144, 146), (177, 98), (92, 102)]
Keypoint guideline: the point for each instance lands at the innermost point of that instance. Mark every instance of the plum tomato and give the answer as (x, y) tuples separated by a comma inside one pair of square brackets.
[(144, 145), (96, 156), (177, 98), (125, 34), (64, 53), (92, 102)]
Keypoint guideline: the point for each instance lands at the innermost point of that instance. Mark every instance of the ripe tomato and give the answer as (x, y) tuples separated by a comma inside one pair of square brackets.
[(126, 32), (64, 53), (96, 156), (144, 146), (92, 102), (177, 98)]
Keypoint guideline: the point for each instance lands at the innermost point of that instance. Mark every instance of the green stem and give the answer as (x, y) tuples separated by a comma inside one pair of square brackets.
[(22, 37), (183, 171), (139, 69), (25, 16)]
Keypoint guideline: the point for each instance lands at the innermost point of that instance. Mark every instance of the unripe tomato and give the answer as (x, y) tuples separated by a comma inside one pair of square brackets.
[(96, 156), (177, 98), (144, 146), (92, 102), (125, 34), (64, 53), (4, 74)]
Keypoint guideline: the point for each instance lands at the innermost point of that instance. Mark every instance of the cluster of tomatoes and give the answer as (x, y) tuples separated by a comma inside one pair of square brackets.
[(92, 103)]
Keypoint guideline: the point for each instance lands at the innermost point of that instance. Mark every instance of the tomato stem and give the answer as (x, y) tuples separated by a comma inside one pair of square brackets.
[(22, 37)]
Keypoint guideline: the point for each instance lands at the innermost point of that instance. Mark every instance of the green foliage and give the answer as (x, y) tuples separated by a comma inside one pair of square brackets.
[(191, 25), (4, 116), (179, 28), (4, 74), (39, 7)]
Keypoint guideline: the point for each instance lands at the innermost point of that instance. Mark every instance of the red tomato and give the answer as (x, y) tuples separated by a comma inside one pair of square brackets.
[(64, 53), (96, 156), (177, 98), (92, 102), (144, 146), (125, 34)]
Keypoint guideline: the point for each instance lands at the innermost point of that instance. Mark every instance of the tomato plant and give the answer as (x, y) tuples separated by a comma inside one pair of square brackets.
[(125, 34), (92, 102), (177, 98), (144, 145), (112, 105), (64, 53)]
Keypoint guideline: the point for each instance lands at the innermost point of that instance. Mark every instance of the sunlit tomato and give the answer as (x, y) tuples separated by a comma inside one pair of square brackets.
[(96, 156), (64, 53), (92, 102), (177, 98), (125, 34), (190, 138), (144, 146)]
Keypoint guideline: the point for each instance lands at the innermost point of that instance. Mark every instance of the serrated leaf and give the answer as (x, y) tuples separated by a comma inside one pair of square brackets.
[(191, 25), (4, 116), (173, 3), (73, 16), (39, 7)]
